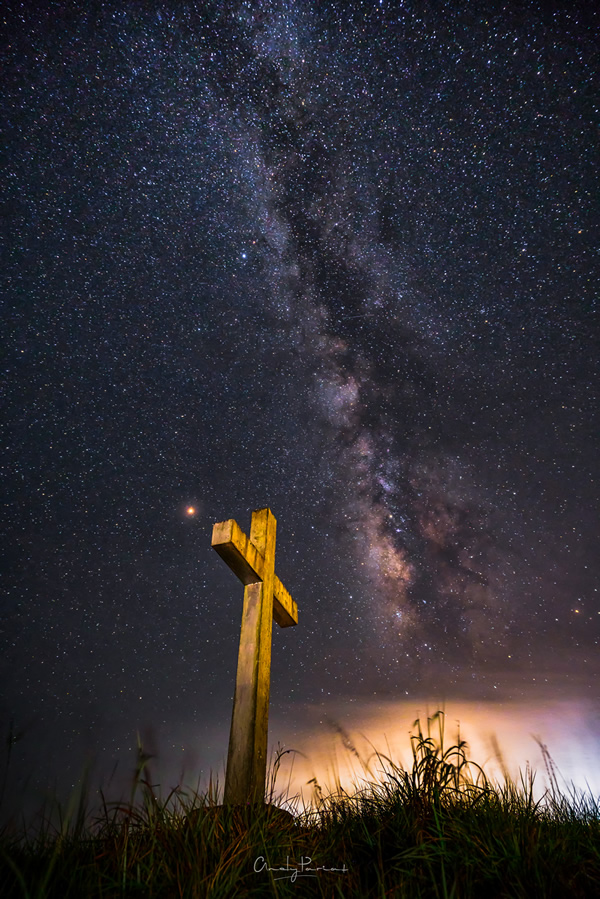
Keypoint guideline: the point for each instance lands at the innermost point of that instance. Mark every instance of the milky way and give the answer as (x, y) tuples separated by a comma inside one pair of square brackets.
[(345, 152), (332, 258)]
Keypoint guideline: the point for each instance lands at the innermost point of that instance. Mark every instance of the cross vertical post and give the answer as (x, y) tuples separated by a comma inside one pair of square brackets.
[(265, 598)]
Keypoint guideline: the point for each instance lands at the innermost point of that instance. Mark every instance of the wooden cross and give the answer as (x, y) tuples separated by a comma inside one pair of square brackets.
[(265, 598)]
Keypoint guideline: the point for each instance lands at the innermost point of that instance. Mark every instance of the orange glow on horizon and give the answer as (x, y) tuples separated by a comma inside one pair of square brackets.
[(345, 743), (498, 734)]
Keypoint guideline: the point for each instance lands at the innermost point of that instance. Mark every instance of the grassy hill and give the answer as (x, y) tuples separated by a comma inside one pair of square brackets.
[(439, 829)]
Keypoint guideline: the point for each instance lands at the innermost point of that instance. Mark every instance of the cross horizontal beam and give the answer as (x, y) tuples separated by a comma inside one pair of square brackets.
[(248, 564)]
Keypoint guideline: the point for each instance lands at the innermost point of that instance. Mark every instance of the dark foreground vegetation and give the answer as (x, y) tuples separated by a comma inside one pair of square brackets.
[(440, 829)]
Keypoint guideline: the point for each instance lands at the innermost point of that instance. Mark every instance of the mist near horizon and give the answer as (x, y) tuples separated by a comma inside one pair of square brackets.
[(325, 746)]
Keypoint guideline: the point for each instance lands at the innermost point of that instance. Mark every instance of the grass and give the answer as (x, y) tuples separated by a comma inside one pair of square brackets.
[(438, 829)]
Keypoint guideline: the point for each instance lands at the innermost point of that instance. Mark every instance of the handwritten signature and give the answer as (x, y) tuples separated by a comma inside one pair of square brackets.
[(302, 869)]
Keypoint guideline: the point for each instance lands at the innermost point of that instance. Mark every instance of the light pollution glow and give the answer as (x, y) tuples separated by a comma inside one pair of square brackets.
[(329, 740), (570, 729)]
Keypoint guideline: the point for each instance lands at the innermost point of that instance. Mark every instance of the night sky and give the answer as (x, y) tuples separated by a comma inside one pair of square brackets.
[(338, 259)]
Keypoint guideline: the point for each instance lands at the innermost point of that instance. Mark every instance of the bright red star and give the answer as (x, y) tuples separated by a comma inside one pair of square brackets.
[(190, 511)]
